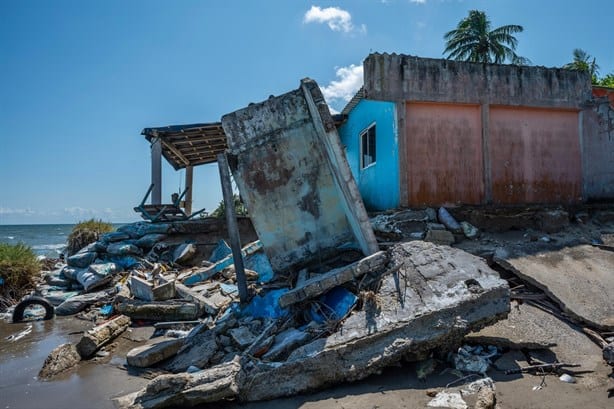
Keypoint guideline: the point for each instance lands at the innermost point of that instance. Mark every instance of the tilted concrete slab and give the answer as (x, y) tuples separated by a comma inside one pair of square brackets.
[(289, 166), (580, 278), (528, 327), (437, 296)]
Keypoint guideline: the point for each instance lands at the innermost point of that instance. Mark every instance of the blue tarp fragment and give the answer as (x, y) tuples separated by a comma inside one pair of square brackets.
[(266, 306), (332, 306), (125, 262), (259, 262)]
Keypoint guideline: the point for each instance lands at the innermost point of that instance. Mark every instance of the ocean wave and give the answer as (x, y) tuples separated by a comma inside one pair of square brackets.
[(10, 237), (49, 247)]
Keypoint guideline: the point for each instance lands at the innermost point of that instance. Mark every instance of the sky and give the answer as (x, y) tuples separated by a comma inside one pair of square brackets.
[(79, 80)]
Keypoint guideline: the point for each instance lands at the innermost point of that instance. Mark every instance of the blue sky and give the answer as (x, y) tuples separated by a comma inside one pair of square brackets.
[(80, 79)]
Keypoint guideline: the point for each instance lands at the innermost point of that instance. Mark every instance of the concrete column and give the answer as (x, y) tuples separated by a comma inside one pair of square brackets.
[(189, 176), (156, 171), (485, 110), (403, 166)]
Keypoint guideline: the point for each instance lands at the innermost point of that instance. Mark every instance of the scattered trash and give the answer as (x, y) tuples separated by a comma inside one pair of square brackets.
[(452, 400), (106, 310), (20, 334), (474, 359), (567, 378), (332, 306)]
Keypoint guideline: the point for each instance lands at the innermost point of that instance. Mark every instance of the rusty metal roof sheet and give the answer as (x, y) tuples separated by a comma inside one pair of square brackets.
[(189, 145)]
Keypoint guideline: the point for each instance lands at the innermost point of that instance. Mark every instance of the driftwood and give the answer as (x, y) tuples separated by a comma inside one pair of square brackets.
[(171, 310), (98, 336), (542, 367)]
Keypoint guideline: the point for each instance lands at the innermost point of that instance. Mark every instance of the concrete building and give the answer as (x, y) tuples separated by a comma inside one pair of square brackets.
[(425, 132)]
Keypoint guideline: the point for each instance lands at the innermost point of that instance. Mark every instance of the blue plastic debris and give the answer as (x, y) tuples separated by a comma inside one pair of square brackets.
[(259, 262), (229, 289), (266, 306), (1, 281), (221, 251), (106, 309), (333, 306), (125, 262)]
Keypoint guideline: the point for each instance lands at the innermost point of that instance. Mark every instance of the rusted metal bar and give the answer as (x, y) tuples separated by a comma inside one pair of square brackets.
[(233, 228)]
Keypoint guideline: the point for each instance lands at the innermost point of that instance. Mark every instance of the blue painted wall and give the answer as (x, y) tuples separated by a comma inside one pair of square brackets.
[(378, 183)]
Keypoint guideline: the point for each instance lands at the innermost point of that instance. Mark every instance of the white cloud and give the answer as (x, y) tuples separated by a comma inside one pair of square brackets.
[(418, 1), (336, 18), (340, 91), (9, 211)]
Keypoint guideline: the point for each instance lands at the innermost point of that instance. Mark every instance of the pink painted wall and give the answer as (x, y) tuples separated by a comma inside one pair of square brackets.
[(535, 156), (443, 154)]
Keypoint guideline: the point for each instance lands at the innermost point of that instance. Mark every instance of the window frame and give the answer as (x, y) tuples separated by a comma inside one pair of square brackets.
[(365, 133)]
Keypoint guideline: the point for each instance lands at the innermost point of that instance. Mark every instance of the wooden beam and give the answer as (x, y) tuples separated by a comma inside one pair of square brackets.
[(156, 171), (176, 152), (233, 228)]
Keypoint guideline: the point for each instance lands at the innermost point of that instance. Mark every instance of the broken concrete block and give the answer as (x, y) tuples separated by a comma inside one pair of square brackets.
[(275, 143), (144, 290), (322, 283), (443, 237), (184, 253), (242, 336), (149, 355), (98, 336), (285, 342), (469, 230), (206, 304), (577, 277), (60, 359), (170, 310), (438, 304), (196, 351)]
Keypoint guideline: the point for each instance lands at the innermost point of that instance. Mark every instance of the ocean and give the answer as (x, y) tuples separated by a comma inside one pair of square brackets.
[(46, 240)]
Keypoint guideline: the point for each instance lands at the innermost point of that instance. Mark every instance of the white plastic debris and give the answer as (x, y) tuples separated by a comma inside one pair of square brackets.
[(475, 386), (452, 400), (474, 359), (567, 378)]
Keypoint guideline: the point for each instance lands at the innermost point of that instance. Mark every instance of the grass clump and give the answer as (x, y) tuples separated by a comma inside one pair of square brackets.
[(240, 209), (86, 232), (19, 270)]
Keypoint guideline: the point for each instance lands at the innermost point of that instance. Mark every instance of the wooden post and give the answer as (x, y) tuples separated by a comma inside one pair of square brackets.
[(156, 171), (189, 177), (233, 228)]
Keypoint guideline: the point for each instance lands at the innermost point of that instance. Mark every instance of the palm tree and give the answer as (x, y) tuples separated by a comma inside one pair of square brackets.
[(582, 62), (474, 41)]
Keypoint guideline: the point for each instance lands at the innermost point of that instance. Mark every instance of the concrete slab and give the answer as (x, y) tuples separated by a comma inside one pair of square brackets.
[(578, 277), (436, 296)]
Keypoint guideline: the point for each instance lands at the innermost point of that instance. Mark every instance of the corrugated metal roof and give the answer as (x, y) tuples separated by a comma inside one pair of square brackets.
[(360, 94)]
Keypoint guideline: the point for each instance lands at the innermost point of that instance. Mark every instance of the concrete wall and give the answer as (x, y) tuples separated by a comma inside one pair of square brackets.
[(486, 133), (379, 182), (598, 147), (287, 161), (394, 77)]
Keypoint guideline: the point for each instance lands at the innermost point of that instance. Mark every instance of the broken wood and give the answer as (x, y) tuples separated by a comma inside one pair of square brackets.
[(98, 336), (172, 324), (322, 283), (170, 310), (543, 367), (595, 337)]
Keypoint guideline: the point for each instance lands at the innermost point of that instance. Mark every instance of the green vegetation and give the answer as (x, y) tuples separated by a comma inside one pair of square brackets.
[(474, 41), (85, 233), (583, 61), (19, 270), (240, 209), (607, 81)]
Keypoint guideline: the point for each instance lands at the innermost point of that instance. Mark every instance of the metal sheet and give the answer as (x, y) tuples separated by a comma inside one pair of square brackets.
[(444, 154), (535, 156)]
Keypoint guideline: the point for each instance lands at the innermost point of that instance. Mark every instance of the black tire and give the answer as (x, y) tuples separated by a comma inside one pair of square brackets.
[(33, 300)]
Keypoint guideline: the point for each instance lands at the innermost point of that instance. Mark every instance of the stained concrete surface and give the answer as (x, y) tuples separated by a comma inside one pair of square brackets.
[(579, 278)]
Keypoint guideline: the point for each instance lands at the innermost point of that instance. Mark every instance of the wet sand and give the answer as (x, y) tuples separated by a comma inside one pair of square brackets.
[(94, 383)]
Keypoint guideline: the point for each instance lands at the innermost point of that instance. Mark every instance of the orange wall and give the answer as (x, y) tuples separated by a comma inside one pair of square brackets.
[(535, 155), (443, 154)]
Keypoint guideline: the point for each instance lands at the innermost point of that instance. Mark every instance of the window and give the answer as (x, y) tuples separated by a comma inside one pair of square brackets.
[(367, 147)]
